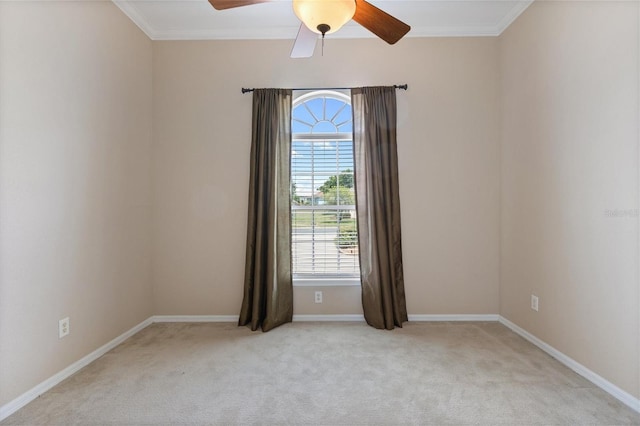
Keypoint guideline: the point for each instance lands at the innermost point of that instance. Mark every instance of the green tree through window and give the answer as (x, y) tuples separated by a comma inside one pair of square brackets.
[(343, 180)]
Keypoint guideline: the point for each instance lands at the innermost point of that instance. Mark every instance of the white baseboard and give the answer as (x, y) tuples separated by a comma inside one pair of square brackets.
[(315, 318), (417, 318), (323, 318), (195, 318), (604, 384), (13, 406), (461, 317), (234, 318)]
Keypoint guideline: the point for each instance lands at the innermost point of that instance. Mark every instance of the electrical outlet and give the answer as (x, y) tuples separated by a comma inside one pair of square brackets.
[(63, 327), (318, 297), (534, 302)]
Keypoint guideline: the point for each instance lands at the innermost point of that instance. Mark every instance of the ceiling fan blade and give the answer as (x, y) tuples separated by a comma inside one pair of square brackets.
[(305, 43), (229, 4), (379, 22)]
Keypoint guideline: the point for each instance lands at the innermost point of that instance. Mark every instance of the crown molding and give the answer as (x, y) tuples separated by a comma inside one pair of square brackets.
[(513, 14), (289, 32), (128, 8)]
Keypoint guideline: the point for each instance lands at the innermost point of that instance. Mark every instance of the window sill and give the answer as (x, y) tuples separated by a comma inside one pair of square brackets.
[(325, 282)]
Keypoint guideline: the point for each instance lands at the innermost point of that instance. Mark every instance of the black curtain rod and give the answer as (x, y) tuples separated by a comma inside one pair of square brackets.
[(397, 86)]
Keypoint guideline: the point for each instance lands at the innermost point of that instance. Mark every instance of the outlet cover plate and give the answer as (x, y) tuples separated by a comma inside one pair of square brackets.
[(534, 302), (63, 327)]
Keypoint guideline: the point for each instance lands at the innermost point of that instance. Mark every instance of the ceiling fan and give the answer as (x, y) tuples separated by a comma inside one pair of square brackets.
[(327, 16)]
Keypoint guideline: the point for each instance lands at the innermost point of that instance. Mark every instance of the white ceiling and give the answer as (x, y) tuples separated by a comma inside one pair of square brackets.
[(197, 20)]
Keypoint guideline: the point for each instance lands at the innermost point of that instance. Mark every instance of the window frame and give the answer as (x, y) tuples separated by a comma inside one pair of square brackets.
[(318, 280)]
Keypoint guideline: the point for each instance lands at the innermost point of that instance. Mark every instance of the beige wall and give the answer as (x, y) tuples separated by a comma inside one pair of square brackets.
[(448, 155), (78, 209), (569, 154), (75, 135)]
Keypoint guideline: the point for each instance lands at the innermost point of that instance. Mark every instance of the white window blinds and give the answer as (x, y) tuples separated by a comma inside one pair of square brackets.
[(324, 230)]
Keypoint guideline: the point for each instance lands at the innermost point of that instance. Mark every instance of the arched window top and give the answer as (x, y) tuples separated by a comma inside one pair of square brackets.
[(322, 112)]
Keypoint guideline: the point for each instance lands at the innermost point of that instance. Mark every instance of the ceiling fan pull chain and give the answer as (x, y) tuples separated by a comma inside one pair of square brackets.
[(323, 28)]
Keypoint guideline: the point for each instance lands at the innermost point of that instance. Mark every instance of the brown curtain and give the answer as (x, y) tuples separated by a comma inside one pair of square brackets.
[(378, 206), (268, 289)]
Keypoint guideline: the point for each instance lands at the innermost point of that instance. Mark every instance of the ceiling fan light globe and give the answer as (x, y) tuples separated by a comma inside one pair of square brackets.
[(334, 13)]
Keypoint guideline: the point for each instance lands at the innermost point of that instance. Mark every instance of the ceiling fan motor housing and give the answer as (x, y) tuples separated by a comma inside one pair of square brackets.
[(324, 28)]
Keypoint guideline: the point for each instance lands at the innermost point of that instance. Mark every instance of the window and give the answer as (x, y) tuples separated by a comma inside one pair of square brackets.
[(324, 242)]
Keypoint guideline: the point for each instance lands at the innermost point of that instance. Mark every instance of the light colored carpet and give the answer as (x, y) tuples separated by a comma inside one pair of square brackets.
[(325, 374)]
